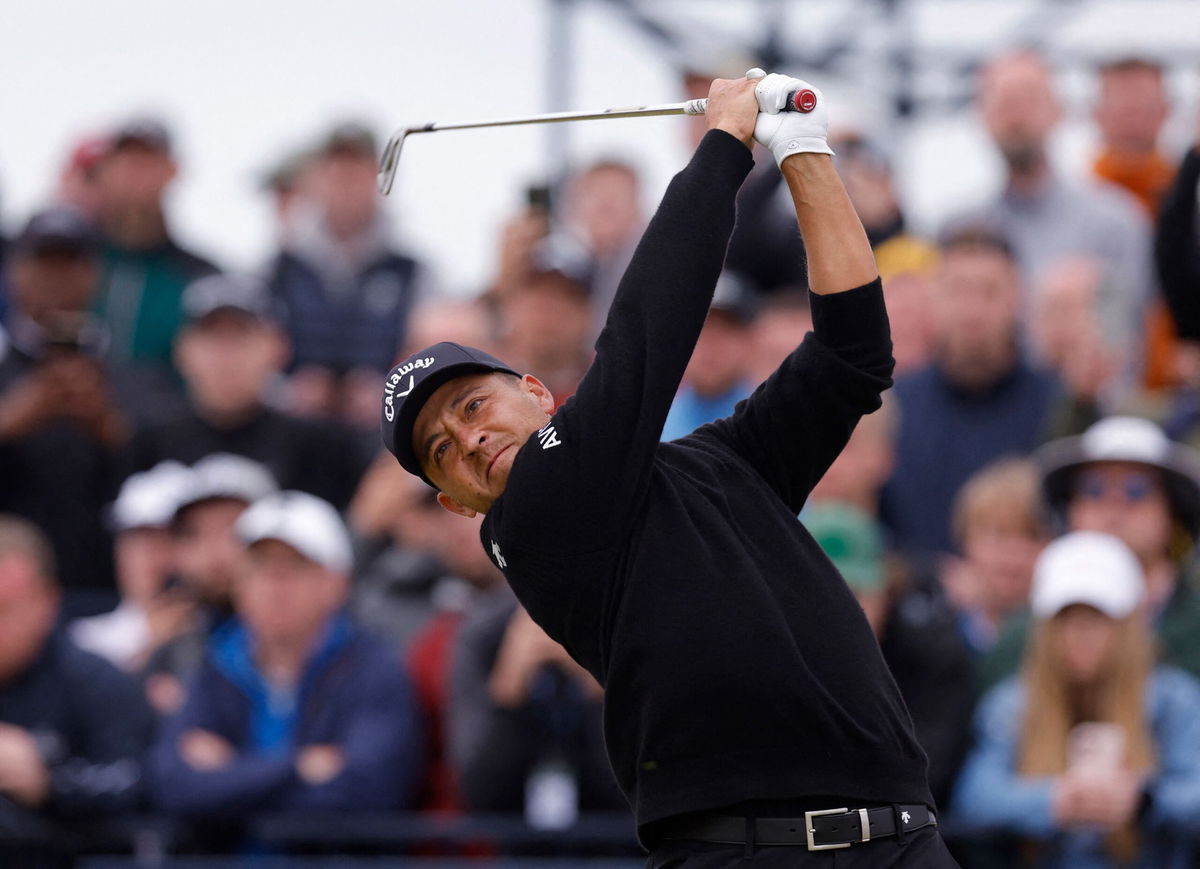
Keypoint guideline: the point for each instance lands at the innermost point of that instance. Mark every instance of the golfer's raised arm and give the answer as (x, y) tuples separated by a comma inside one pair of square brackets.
[(618, 411), (839, 255), (799, 420)]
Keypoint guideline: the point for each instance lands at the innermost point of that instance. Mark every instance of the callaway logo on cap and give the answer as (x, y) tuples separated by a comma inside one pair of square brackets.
[(409, 385)]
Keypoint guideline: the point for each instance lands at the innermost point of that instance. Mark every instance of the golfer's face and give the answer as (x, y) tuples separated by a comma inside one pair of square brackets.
[(469, 431)]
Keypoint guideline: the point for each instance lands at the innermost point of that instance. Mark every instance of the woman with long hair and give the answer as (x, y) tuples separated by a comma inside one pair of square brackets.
[(1091, 755)]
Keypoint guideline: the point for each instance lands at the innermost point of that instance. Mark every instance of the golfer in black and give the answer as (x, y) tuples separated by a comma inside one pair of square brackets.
[(749, 715)]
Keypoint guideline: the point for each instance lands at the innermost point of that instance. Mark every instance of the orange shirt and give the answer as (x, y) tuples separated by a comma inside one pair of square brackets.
[(1146, 176)]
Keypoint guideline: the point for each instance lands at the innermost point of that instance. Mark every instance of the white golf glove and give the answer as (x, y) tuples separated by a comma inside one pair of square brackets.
[(790, 132)]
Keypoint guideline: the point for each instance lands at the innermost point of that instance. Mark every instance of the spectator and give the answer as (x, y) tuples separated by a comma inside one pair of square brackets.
[(1124, 477), (976, 401), (602, 217), (344, 288), (288, 185), (397, 573), (61, 428), (523, 238), (1131, 108), (1070, 338), (525, 721), (72, 728), (907, 267), (466, 322), (417, 591), (860, 471), (782, 321), (229, 353), (915, 626), (868, 179), (1000, 529), (1091, 753), (544, 327), (1046, 217), (77, 183), (149, 613), (218, 490), (294, 708), (145, 270), (718, 374)]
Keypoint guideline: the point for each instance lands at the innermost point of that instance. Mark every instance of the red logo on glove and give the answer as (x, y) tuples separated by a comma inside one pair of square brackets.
[(804, 100)]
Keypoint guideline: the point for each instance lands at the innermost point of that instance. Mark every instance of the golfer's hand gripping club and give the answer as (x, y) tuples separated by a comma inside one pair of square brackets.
[(801, 97), (792, 117)]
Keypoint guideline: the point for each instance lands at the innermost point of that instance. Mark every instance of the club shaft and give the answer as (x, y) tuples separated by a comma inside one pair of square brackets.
[(391, 154), (691, 107)]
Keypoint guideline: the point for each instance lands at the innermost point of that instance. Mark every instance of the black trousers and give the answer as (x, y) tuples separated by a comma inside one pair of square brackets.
[(923, 849)]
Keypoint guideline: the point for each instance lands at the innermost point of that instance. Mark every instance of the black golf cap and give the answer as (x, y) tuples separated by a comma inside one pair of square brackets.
[(409, 385), (58, 229)]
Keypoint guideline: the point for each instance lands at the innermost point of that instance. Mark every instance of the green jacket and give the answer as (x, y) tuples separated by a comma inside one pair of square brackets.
[(139, 299)]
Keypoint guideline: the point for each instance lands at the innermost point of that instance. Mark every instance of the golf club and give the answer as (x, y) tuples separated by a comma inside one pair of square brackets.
[(803, 100)]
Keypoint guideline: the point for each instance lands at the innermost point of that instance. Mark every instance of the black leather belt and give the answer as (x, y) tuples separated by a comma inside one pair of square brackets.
[(821, 830)]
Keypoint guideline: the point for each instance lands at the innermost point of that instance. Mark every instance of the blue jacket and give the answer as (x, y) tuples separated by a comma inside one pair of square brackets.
[(946, 434), (690, 410), (361, 323), (990, 793), (354, 694)]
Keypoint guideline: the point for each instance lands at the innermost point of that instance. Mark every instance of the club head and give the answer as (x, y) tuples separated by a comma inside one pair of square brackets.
[(390, 160)]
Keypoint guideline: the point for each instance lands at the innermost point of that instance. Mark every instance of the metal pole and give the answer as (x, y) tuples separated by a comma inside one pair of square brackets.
[(559, 80)]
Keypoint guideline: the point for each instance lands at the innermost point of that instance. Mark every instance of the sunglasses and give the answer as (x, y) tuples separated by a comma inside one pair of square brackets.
[(1133, 486)]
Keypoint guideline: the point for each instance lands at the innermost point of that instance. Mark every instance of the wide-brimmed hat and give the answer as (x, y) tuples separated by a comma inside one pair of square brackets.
[(1125, 439)]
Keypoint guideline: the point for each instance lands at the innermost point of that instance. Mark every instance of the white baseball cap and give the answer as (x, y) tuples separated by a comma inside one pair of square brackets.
[(1089, 568), (226, 476), (148, 499), (304, 522)]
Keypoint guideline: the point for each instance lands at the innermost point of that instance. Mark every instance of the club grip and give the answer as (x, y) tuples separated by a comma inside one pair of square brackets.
[(801, 100)]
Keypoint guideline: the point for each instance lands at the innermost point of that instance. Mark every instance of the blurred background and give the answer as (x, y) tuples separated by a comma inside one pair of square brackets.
[(232, 632), (244, 84)]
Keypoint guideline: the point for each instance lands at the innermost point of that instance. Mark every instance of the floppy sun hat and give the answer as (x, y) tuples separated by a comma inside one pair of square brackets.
[(1125, 439)]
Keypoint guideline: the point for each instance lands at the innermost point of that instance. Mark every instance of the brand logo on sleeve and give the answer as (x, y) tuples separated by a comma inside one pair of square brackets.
[(394, 379), (496, 554), (549, 437)]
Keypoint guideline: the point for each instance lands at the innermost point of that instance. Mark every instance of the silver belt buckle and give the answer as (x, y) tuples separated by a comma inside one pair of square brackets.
[(813, 846)]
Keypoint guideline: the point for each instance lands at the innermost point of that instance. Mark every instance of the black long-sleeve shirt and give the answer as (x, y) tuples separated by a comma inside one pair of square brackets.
[(1177, 248), (91, 724), (736, 662)]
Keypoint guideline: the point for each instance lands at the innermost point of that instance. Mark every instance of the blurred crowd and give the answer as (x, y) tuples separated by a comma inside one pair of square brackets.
[(218, 599)]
